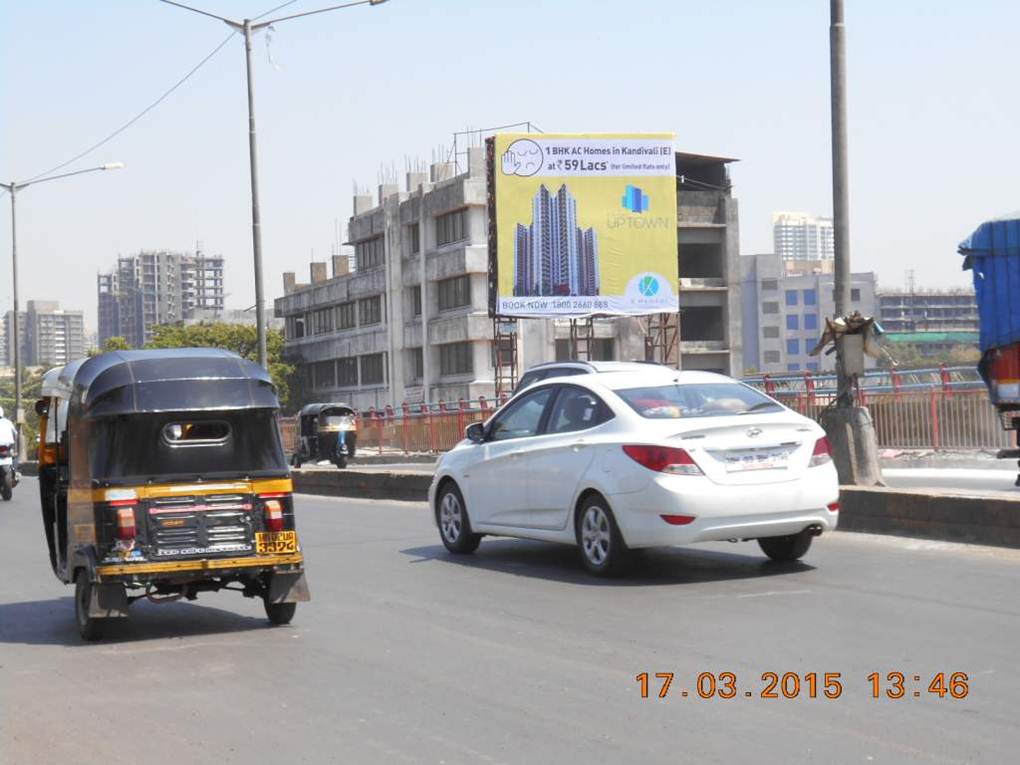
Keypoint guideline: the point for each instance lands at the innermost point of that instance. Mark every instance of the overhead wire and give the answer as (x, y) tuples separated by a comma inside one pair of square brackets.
[(138, 116)]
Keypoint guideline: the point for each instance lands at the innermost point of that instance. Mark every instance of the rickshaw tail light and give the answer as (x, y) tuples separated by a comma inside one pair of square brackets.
[(274, 515), (126, 522)]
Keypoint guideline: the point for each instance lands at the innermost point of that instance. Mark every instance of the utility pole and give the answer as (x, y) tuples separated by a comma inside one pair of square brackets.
[(19, 415), (840, 202)]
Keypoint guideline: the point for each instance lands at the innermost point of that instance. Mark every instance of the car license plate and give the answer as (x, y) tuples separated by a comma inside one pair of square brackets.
[(776, 460), (276, 542)]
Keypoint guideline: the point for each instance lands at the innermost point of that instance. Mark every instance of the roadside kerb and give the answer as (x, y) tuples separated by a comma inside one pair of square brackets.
[(413, 486)]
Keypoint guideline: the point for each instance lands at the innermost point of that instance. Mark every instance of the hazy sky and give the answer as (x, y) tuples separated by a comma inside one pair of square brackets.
[(933, 117)]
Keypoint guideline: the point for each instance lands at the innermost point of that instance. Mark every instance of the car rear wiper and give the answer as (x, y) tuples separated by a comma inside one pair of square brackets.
[(759, 406)]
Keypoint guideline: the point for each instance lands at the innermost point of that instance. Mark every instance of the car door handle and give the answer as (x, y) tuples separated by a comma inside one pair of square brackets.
[(578, 445)]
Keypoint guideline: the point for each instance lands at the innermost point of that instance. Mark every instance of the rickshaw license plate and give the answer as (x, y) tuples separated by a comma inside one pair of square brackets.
[(276, 542)]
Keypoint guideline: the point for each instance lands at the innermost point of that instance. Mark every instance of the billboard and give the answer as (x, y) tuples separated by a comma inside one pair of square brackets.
[(585, 224)]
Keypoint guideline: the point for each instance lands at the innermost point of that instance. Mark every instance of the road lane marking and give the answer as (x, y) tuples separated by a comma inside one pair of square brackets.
[(773, 592)]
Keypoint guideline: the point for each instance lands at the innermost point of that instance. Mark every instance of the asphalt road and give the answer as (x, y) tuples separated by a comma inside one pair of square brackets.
[(513, 655), (957, 480)]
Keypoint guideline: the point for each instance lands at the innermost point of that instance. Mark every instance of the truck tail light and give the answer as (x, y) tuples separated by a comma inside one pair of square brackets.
[(125, 511), (822, 453), (272, 505), (663, 459)]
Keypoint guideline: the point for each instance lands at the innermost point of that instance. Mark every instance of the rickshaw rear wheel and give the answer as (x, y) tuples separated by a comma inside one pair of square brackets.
[(89, 627), (280, 613)]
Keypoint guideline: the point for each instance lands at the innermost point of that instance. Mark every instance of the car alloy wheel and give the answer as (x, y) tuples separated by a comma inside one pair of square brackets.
[(451, 517), (596, 535)]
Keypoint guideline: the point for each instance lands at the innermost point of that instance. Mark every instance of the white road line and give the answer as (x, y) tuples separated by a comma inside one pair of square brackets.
[(773, 592)]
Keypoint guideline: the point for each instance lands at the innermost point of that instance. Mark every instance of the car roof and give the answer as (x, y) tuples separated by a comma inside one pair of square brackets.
[(643, 377), (597, 366)]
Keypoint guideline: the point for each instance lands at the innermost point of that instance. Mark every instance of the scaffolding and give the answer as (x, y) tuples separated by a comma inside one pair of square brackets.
[(504, 354), (662, 339), (582, 338)]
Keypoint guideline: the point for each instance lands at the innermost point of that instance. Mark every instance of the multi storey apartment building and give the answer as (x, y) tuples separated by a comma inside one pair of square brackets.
[(785, 308), (928, 310), (408, 319), (156, 287), (802, 236), (50, 336)]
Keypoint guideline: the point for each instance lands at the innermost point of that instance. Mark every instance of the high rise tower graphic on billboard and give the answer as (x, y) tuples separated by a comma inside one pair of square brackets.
[(554, 256)]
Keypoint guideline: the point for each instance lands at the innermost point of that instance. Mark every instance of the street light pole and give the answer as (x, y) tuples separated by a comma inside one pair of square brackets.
[(840, 201), (246, 28), (13, 187), (256, 217)]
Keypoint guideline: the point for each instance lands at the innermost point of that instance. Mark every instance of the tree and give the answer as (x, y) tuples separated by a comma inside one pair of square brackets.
[(31, 385), (115, 343), (242, 339)]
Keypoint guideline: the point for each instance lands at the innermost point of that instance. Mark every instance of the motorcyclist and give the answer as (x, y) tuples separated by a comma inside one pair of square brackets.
[(9, 435)]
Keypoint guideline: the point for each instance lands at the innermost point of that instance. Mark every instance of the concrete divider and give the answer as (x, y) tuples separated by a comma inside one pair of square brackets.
[(985, 520), (367, 485)]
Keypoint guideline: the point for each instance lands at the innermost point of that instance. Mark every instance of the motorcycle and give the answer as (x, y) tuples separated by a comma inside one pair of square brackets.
[(9, 477)]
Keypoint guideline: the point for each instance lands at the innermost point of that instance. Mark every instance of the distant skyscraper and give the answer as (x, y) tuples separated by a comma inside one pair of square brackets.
[(49, 336), (153, 288), (801, 236), (554, 256)]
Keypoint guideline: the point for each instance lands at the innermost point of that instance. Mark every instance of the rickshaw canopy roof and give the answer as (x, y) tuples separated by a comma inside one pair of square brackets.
[(314, 410), (168, 380)]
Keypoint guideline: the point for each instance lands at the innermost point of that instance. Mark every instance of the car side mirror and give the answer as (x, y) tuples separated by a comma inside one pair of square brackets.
[(475, 432)]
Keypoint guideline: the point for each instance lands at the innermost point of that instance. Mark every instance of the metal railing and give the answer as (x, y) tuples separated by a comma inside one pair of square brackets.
[(872, 381)]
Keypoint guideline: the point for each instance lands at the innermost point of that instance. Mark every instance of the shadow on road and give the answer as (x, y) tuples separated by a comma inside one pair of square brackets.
[(51, 622), (655, 567)]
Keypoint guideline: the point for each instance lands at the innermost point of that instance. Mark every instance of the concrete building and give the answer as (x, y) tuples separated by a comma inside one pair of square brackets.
[(928, 310), (784, 312), (408, 320), (802, 236), (156, 287), (49, 335)]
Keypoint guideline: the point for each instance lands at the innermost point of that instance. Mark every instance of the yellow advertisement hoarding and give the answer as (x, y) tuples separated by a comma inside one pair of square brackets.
[(585, 224)]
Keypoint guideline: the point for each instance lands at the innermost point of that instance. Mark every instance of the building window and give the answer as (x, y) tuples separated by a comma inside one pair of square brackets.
[(791, 297), (413, 240), (812, 366), (792, 347), (345, 316), (369, 253), (793, 367), (373, 369), (456, 359), (347, 373), (810, 298), (792, 321), (454, 293), (811, 321), (325, 374), (771, 357), (769, 285), (770, 332), (770, 307), (855, 295), (417, 358), (323, 321), (370, 310), (451, 227), (296, 327), (602, 349), (416, 301)]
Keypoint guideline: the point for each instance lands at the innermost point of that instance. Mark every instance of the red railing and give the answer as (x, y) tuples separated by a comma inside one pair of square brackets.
[(938, 417)]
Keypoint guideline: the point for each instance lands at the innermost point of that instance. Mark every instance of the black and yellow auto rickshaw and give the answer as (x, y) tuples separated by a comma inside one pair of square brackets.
[(161, 476), (327, 432)]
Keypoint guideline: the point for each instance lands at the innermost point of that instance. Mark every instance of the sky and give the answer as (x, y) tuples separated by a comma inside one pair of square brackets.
[(344, 96)]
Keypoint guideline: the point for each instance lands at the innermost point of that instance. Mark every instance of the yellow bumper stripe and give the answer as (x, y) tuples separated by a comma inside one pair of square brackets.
[(216, 564)]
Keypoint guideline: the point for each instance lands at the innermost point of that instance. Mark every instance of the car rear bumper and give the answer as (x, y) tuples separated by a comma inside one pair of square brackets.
[(723, 512)]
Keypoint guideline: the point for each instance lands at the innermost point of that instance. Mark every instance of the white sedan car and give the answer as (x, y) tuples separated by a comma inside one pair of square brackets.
[(620, 461)]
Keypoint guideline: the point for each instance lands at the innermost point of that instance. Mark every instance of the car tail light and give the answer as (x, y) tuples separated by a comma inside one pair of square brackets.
[(5, 451), (822, 453), (662, 459), (833, 507), (678, 520), (125, 510), (272, 505)]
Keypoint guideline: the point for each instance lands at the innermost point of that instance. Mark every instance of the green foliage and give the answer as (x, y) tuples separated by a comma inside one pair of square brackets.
[(912, 356), (31, 386), (239, 338)]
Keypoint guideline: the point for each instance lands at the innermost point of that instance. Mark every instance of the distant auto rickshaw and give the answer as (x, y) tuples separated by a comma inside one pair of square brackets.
[(327, 432), (162, 475)]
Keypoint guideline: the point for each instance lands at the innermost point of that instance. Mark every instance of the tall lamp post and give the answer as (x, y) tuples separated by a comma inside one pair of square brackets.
[(14, 187), (247, 27)]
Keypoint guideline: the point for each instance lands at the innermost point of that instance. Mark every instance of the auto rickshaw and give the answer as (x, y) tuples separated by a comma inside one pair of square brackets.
[(161, 476), (327, 432)]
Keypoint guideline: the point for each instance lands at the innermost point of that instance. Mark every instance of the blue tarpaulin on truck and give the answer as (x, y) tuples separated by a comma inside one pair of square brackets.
[(992, 253)]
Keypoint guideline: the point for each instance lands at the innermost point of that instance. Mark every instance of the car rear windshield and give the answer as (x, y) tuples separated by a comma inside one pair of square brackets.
[(670, 402)]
